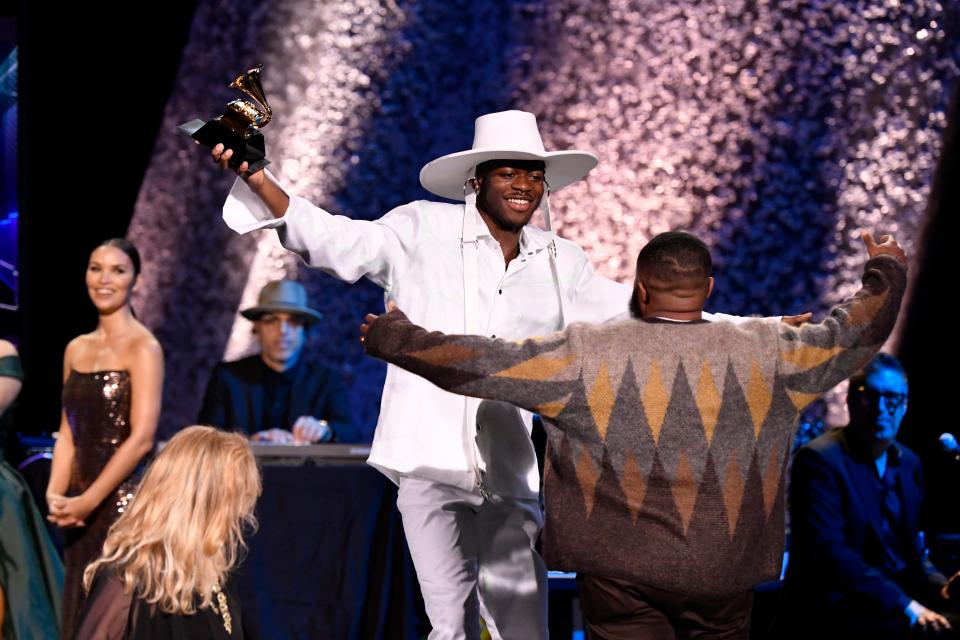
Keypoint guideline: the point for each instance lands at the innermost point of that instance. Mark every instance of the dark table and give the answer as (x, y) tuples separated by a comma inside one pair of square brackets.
[(329, 560)]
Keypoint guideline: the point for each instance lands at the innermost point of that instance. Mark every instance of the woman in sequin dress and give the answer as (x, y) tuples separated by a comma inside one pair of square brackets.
[(113, 380)]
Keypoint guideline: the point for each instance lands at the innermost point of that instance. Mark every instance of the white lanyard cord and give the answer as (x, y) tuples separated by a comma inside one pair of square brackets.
[(552, 249)]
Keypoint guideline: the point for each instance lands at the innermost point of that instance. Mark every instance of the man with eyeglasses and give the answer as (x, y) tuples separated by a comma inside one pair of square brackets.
[(277, 396), (858, 567)]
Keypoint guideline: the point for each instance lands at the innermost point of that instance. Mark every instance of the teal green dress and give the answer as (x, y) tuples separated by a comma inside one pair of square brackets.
[(31, 573)]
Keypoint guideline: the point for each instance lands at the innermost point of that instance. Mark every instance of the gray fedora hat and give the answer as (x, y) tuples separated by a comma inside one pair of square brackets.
[(282, 296)]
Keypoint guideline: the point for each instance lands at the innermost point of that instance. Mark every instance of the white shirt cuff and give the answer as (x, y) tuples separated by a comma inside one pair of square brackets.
[(244, 211)]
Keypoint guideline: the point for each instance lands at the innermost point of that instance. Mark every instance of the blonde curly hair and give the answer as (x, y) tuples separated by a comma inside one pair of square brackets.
[(184, 529)]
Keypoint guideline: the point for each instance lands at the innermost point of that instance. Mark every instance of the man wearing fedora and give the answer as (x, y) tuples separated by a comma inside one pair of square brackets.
[(276, 395), (466, 469)]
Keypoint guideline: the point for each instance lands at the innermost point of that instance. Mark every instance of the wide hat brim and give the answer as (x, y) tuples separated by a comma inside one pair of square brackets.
[(446, 175), (254, 313)]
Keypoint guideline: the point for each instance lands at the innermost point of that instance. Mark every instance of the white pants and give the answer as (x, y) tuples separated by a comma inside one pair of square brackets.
[(475, 557)]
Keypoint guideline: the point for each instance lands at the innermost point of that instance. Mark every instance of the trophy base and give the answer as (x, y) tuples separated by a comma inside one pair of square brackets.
[(250, 149)]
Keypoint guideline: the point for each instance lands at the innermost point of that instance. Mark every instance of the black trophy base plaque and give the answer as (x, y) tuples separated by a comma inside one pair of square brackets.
[(250, 149)]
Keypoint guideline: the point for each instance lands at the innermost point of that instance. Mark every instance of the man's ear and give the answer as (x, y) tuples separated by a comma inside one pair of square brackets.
[(709, 286), (644, 294)]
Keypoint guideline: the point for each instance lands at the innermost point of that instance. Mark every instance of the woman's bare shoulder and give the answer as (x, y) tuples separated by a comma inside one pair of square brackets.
[(7, 349)]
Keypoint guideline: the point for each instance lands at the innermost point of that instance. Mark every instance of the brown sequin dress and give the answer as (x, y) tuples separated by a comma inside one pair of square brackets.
[(97, 406)]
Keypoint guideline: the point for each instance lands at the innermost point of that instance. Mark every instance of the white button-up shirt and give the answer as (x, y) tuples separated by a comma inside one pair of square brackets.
[(414, 253)]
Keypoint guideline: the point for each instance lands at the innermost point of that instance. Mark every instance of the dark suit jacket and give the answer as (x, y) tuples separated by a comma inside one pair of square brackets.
[(836, 554), (236, 394)]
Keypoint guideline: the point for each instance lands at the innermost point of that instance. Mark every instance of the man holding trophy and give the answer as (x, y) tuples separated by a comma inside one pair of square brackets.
[(466, 469)]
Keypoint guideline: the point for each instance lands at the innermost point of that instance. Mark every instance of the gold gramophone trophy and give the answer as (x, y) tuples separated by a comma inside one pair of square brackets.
[(239, 126)]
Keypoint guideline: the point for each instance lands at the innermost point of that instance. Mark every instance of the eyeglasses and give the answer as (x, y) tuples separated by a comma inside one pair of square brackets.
[(891, 399)]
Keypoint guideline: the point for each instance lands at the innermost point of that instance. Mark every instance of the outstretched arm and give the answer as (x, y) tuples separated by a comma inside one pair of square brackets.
[(345, 248), (534, 374), (817, 356)]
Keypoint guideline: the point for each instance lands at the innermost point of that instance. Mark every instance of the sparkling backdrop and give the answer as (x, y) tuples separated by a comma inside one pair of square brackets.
[(776, 131)]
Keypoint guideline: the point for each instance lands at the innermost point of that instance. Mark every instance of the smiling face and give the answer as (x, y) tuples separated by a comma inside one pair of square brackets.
[(110, 279), (509, 191)]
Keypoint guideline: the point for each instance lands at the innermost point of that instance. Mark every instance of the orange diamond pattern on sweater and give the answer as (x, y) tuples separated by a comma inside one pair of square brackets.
[(601, 399), (634, 486), (807, 356), (771, 479), (655, 400), (553, 409), (538, 369), (758, 398), (708, 401), (801, 400), (587, 476), (733, 485), (684, 488)]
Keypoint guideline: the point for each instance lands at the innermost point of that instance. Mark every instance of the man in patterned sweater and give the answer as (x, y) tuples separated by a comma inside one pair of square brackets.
[(668, 436)]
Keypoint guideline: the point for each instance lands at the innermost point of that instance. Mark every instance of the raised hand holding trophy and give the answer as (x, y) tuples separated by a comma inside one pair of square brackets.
[(239, 126)]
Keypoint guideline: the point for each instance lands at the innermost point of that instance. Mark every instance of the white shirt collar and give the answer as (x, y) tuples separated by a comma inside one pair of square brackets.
[(532, 238)]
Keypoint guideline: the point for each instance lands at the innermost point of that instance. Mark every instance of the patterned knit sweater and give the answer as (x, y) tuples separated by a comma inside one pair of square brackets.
[(667, 442)]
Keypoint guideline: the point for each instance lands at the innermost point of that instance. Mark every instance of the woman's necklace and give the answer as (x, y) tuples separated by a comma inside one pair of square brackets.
[(221, 607)]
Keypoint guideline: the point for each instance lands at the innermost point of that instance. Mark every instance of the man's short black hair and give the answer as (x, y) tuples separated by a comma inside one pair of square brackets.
[(880, 362), (529, 165), (672, 257), (675, 256)]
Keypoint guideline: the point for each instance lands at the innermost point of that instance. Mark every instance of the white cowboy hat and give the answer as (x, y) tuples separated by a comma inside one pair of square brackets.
[(505, 135)]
